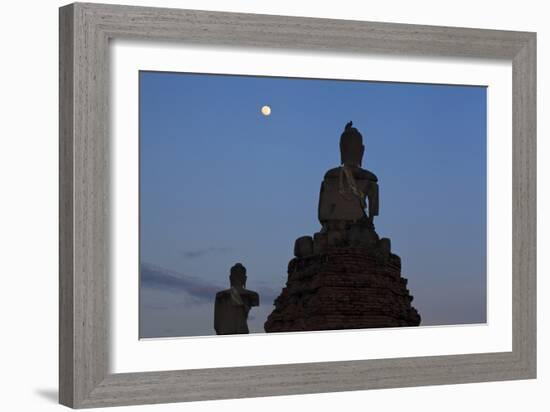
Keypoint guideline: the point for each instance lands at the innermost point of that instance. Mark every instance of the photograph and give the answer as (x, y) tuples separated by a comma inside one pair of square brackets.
[(279, 204)]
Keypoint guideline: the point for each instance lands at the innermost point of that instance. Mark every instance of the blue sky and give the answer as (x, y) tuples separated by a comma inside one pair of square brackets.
[(220, 183)]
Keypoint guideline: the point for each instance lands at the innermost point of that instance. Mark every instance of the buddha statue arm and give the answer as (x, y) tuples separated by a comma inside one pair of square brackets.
[(217, 315), (254, 299), (373, 199), (320, 200)]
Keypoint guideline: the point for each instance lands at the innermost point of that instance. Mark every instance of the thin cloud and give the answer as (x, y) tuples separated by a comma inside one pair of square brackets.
[(202, 291), (193, 254), (155, 277)]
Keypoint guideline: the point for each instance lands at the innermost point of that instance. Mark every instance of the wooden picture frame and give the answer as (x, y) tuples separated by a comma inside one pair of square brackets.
[(85, 31)]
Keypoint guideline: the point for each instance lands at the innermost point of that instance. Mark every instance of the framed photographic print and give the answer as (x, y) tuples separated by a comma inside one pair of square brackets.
[(256, 205)]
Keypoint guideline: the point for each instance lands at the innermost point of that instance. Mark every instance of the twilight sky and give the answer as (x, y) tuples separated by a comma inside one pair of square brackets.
[(220, 183)]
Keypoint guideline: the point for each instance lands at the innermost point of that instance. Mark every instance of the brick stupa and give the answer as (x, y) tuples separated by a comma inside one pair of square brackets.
[(345, 276)]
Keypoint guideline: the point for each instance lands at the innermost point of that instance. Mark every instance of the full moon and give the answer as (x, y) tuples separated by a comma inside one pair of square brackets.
[(266, 110)]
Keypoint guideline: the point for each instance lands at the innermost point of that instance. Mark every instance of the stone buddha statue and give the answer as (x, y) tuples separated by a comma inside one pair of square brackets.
[(348, 202), (233, 305), (346, 189)]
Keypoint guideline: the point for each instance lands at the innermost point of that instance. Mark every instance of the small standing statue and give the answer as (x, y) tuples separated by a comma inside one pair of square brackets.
[(233, 304)]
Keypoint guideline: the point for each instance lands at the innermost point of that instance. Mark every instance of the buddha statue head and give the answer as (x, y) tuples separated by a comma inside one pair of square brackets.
[(351, 146), (237, 276)]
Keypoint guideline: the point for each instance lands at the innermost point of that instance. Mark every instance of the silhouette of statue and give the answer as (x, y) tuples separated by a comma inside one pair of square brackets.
[(348, 202), (233, 304), (346, 189)]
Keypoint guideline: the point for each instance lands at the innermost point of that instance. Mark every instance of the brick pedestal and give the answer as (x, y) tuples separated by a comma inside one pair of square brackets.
[(343, 288)]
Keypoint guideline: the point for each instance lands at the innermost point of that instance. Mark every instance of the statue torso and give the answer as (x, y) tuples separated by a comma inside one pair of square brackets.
[(230, 317), (343, 194)]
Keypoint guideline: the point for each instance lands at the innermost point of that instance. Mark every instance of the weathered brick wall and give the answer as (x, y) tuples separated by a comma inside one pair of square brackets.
[(343, 288)]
